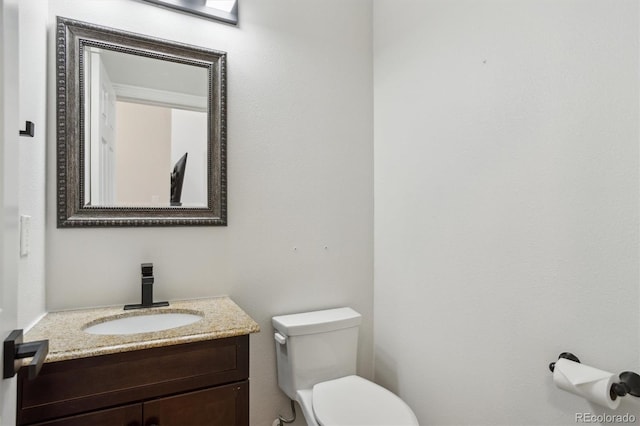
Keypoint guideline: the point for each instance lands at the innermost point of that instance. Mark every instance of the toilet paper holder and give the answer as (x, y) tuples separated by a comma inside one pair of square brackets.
[(629, 381)]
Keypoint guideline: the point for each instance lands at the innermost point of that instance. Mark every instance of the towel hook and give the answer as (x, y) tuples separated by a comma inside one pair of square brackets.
[(14, 350), (29, 130)]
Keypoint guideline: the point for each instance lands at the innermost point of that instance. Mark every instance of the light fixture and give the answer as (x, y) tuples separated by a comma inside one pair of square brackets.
[(226, 5), (220, 10)]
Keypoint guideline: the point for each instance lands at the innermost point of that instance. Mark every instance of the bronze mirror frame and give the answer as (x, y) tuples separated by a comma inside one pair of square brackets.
[(71, 39)]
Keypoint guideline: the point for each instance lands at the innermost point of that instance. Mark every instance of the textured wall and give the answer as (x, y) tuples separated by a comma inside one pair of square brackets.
[(300, 173), (9, 196), (32, 163), (506, 194)]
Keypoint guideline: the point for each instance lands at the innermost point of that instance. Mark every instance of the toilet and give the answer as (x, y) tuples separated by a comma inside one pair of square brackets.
[(316, 361)]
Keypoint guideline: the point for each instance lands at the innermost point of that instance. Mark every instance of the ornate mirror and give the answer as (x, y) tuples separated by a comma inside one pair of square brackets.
[(141, 130)]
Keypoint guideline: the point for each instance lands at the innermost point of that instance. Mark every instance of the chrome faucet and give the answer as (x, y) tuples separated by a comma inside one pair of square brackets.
[(147, 290)]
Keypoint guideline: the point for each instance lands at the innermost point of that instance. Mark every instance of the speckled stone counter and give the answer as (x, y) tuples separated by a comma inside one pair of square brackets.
[(68, 340)]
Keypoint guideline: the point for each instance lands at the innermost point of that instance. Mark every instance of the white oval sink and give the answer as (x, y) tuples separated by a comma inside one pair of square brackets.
[(143, 323)]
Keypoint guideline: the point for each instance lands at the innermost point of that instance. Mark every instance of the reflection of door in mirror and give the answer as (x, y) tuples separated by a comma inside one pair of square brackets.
[(143, 114), (101, 100)]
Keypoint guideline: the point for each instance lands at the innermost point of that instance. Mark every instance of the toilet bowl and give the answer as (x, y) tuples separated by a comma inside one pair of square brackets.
[(316, 361)]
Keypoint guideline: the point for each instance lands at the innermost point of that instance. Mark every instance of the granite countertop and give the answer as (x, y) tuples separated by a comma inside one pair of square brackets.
[(68, 340)]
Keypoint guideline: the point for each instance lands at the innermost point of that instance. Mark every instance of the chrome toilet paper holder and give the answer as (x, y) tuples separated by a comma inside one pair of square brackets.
[(629, 381)]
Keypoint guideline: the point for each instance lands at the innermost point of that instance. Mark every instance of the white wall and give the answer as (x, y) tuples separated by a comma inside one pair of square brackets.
[(506, 202), (300, 175), (9, 195), (32, 163), (22, 172)]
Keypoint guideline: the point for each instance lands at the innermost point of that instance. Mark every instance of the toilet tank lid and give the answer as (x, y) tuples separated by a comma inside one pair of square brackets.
[(316, 321)]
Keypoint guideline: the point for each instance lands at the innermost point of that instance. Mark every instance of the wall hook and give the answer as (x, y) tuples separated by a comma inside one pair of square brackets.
[(15, 350), (29, 130)]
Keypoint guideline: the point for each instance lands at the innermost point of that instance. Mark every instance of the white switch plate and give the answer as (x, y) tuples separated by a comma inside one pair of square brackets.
[(25, 231)]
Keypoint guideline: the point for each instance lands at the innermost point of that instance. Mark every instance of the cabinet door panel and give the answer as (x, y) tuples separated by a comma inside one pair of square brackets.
[(220, 406), (130, 415)]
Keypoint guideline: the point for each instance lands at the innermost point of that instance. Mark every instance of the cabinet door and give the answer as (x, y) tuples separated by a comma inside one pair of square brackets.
[(220, 406), (129, 415)]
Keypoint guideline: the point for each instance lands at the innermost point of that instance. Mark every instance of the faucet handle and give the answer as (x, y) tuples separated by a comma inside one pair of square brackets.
[(147, 269)]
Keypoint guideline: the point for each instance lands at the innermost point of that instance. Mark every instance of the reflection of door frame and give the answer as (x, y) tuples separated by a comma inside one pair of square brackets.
[(164, 98), (9, 130)]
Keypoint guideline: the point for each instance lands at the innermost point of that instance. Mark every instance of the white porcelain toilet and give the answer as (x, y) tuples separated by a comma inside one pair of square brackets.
[(316, 355)]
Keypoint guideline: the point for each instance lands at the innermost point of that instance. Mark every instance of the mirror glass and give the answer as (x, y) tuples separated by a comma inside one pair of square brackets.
[(141, 130), (145, 141)]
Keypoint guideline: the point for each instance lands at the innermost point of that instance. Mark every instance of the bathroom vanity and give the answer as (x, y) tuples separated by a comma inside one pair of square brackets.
[(197, 374)]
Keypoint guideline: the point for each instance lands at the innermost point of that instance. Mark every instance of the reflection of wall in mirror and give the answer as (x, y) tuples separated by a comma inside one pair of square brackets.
[(143, 155), (189, 134)]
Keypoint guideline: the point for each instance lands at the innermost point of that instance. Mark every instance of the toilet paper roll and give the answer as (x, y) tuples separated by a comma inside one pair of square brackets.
[(588, 382)]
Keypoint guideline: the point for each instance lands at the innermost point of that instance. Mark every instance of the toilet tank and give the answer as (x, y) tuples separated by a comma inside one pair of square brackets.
[(314, 347)]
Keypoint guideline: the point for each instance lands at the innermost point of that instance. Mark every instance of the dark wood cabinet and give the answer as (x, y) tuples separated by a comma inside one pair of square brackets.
[(129, 415), (222, 405), (202, 383)]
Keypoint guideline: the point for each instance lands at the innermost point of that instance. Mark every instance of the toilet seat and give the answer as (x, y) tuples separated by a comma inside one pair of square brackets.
[(354, 401)]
